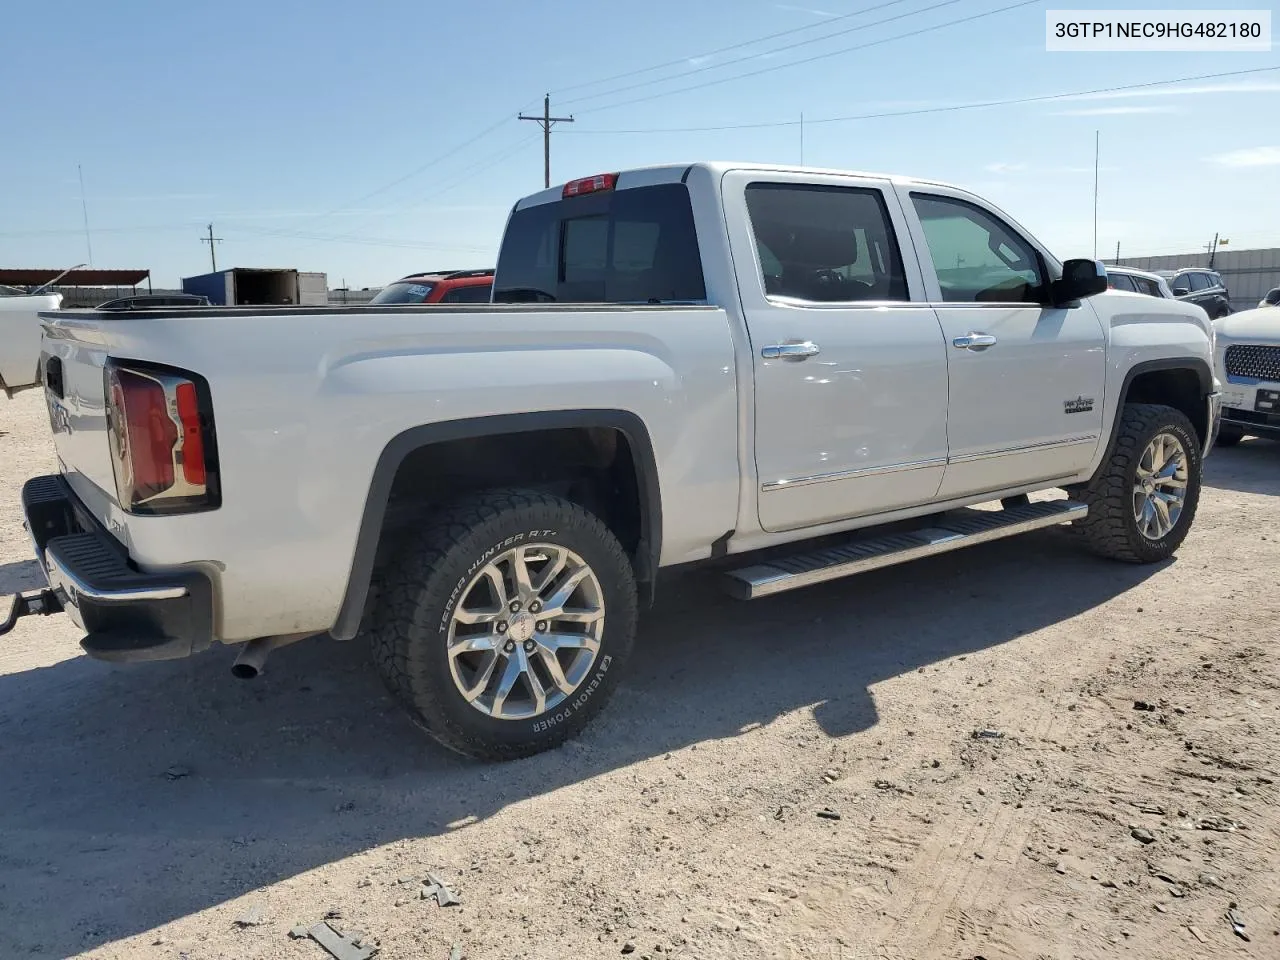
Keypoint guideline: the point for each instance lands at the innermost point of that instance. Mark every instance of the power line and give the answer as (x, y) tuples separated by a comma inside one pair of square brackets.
[(808, 121), (775, 50), (417, 171), (815, 57), (685, 61)]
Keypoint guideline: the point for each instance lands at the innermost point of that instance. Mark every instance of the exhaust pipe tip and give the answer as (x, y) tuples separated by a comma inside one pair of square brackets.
[(252, 658), (253, 655), (245, 671)]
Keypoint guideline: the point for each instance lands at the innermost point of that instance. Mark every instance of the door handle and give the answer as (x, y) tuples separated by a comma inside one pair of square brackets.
[(974, 341), (790, 351)]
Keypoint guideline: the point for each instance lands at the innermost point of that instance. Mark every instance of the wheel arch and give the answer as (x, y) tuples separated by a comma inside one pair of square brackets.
[(1183, 383), (421, 439)]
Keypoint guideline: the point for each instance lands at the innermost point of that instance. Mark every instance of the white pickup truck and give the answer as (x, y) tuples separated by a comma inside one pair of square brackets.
[(683, 364), (20, 337)]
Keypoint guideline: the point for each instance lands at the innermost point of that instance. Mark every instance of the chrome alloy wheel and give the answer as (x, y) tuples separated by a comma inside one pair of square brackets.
[(1160, 486), (526, 631)]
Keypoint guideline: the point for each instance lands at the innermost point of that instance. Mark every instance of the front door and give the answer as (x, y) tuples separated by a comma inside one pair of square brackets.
[(1026, 379), (850, 365)]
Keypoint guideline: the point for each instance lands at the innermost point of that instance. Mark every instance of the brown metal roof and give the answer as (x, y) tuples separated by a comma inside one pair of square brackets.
[(76, 278)]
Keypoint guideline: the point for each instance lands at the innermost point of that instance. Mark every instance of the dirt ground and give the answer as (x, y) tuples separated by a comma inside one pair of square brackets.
[(144, 810)]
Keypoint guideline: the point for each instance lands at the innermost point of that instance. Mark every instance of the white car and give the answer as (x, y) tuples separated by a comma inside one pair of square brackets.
[(708, 363), (1248, 367)]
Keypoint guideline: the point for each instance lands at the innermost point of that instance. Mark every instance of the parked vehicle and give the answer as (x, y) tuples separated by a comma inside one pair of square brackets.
[(1138, 281), (1247, 364), (143, 300), (1202, 287), (260, 286), (716, 363), (20, 337), (444, 286), (1271, 298)]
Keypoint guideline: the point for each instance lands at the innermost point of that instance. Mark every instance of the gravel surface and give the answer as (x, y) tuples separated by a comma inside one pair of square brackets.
[(1015, 751)]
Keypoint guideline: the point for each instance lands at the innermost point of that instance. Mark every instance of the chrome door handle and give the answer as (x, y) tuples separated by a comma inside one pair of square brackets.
[(790, 351), (974, 341)]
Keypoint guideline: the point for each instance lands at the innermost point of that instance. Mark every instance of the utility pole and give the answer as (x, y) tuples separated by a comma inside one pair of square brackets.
[(1117, 253), (547, 121), (211, 240)]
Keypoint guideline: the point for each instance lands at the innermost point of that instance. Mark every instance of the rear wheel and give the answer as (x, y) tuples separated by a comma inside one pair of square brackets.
[(1143, 499), (505, 625)]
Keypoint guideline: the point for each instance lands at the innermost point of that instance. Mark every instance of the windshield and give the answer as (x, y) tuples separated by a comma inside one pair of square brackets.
[(404, 293), (624, 246)]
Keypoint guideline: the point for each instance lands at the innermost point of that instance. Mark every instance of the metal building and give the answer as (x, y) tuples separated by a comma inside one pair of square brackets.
[(1248, 274)]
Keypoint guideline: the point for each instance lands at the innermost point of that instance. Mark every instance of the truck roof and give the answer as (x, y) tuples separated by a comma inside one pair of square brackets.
[(675, 172)]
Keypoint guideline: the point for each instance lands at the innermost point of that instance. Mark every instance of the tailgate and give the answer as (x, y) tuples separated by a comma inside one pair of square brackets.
[(74, 353)]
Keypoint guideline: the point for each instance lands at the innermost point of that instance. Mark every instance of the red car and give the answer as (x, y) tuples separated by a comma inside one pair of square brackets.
[(439, 286)]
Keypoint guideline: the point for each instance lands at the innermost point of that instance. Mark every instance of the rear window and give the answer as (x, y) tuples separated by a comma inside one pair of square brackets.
[(404, 293), (617, 246)]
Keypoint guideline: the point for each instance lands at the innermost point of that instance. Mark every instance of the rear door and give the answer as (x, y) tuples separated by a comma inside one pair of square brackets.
[(1025, 378), (850, 367)]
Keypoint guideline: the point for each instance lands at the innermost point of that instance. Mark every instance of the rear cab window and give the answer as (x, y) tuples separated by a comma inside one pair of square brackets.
[(630, 245)]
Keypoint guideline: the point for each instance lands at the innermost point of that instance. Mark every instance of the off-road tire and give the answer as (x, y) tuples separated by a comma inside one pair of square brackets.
[(1229, 435), (1111, 528), (419, 591)]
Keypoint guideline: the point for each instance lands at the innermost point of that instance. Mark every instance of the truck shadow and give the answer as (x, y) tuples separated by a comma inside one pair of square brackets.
[(20, 575), (134, 796), (1251, 467)]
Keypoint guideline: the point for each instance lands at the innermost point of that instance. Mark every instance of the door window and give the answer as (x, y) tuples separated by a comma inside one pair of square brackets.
[(1122, 281), (476, 293), (1199, 281), (978, 258), (825, 244)]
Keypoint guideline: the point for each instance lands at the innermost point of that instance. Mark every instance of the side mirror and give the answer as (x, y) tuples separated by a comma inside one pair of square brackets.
[(1181, 291), (1080, 279)]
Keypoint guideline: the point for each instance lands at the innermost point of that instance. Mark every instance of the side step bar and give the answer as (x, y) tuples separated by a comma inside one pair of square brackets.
[(952, 531)]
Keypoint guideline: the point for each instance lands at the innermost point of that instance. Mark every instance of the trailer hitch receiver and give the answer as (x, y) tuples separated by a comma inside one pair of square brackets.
[(18, 605)]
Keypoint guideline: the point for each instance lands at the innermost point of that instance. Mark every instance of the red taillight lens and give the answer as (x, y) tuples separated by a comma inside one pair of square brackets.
[(161, 440), (193, 468), (602, 181)]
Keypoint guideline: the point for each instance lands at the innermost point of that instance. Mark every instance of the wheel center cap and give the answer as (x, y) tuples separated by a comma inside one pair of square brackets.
[(522, 627)]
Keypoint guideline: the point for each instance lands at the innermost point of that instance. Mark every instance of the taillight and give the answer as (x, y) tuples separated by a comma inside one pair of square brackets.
[(602, 181), (160, 427)]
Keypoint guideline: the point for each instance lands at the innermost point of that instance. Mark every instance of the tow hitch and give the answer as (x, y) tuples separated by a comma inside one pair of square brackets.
[(43, 602)]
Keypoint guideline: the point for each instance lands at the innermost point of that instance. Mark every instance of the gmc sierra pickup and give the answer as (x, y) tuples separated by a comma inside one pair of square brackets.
[(682, 364)]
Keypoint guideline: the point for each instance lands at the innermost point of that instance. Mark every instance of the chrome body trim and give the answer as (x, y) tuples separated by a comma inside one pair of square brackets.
[(851, 474), (1027, 448)]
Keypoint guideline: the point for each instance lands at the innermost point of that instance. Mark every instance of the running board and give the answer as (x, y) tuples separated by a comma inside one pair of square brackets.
[(952, 531)]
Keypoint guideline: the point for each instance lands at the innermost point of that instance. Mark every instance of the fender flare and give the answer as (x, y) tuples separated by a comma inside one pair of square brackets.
[(350, 614), (1200, 367)]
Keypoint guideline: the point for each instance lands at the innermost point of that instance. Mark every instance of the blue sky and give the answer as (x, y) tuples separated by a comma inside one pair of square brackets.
[(343, 136)]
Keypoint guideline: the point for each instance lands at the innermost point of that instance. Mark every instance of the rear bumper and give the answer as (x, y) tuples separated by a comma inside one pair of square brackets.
[(127, 614)]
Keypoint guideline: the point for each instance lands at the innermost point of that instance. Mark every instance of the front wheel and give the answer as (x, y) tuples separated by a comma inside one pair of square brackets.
[(1229, 435), (1143, 499), (506, 624)]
